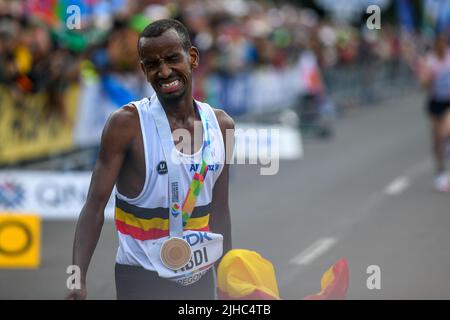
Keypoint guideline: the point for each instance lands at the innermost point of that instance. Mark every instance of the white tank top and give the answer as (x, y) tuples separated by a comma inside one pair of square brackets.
[(440, 90), (142, 220)]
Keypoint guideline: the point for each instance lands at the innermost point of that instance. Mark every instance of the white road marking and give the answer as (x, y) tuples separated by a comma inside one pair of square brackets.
[(314, 251), (397, 186)]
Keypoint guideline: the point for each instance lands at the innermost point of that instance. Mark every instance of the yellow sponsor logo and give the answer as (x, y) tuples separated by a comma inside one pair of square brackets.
[(20, 241)]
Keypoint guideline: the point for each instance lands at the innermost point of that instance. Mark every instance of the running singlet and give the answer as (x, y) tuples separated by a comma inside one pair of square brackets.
[(142, 220), (440, 90)]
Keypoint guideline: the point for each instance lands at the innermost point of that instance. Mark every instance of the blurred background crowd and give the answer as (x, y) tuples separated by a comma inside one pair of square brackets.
[(256, 55)]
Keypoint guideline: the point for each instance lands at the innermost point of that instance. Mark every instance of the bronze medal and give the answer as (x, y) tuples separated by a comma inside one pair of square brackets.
[(175, 253)]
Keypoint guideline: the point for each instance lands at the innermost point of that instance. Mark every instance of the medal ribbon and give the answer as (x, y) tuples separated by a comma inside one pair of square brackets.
[(199, 177), (176, 220)]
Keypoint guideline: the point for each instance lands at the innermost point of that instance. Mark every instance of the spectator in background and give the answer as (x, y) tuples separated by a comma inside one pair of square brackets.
[(435, 78), (314, 108), (30, 62)]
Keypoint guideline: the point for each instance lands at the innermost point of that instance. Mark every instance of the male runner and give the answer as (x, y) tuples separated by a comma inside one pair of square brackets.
[(132, 158), (435, 77)]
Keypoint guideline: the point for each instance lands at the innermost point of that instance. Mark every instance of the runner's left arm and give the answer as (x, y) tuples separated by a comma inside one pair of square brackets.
[(220, 218)]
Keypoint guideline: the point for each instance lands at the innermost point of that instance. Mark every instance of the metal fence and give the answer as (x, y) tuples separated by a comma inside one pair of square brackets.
[(367, 82)]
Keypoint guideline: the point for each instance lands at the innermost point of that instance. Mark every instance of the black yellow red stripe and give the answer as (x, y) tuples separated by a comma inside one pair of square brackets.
[(151, 224), (143, 235), (160, 212)]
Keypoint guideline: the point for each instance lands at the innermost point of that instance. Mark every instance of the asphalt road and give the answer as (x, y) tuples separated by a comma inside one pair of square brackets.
[(366, 196)]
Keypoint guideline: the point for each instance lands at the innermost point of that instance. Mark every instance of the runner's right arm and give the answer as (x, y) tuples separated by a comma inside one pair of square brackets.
[(117, 136), (426, 76)]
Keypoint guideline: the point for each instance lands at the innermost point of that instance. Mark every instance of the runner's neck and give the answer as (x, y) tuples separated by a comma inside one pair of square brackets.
[(182, 114)]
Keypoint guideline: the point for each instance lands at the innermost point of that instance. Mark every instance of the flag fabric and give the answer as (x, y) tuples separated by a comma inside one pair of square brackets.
[(334, 283), (246, 275), (45, 10)]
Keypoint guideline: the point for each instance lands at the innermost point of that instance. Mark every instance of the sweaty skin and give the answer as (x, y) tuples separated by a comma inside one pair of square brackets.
[(121, 159)]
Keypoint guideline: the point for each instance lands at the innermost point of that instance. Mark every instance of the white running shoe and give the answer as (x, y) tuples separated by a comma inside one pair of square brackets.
[(442, 182)]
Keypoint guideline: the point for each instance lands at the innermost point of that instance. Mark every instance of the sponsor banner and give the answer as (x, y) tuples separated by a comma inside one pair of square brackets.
[(52, 195), (29, 129), (263, 143), (20, 240)]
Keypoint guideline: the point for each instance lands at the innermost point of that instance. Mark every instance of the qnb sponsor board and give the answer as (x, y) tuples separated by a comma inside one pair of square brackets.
[(53, 195)]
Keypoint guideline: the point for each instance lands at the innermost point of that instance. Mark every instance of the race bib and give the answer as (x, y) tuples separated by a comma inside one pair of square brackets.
[(207, 248)]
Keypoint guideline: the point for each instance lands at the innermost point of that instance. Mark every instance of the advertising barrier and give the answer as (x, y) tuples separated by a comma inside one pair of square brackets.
[(52, 195)]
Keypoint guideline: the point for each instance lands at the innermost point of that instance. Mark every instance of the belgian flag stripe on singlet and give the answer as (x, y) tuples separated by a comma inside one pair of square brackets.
[(150, 224), (151, 234), (163, 213)]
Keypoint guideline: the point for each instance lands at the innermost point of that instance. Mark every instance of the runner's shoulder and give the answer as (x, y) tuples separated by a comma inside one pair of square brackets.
[(224, 120), (122, 125), (127, 117)]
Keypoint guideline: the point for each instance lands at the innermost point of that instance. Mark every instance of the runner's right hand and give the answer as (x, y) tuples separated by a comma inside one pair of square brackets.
[(77, 294)]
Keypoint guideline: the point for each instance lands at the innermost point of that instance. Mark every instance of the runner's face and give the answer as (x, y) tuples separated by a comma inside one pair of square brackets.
[(167, 66)]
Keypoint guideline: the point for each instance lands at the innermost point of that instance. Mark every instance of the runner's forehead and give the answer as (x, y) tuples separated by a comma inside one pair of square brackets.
[(167, 43)]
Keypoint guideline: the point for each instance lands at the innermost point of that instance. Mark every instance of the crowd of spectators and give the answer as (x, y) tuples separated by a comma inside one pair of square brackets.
[(38, 52)]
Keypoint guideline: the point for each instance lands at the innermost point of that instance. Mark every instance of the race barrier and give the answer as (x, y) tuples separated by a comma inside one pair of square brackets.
[(52, 195)]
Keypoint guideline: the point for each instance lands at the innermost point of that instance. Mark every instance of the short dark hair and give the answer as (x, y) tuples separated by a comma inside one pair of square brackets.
[(158, 27)]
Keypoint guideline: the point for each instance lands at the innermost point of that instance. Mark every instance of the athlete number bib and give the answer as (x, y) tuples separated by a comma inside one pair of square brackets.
[(206, 249)]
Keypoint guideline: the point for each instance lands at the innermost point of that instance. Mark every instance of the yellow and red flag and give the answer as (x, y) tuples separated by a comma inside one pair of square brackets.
[(334, 283), (246, 275)]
